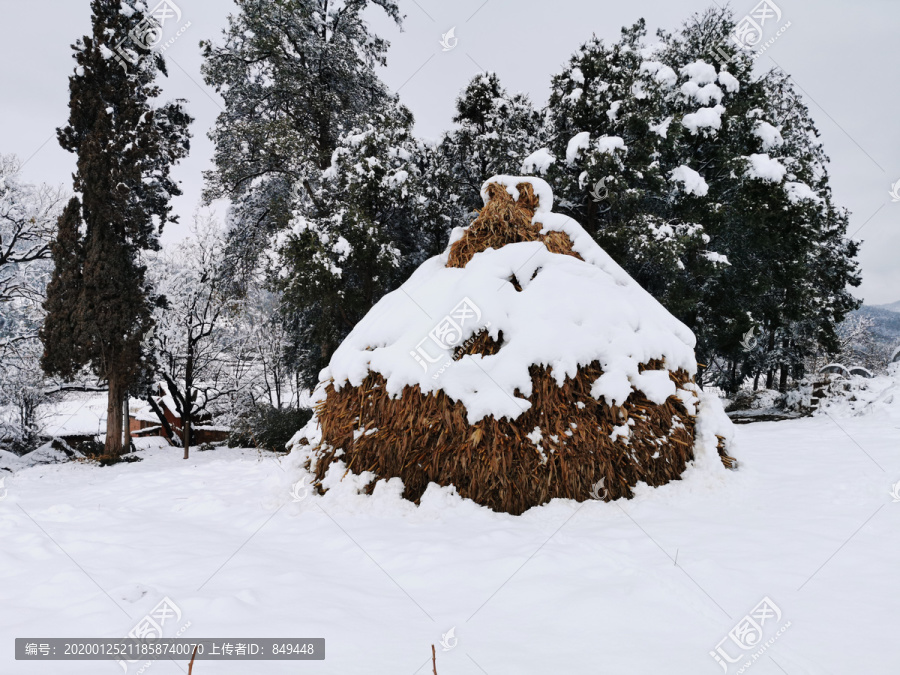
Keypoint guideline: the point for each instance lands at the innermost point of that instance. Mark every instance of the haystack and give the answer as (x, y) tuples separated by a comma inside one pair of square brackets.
[(521, 365)]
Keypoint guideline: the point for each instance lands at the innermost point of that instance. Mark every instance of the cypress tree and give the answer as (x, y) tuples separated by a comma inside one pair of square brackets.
[(60, 329), (98, 300)]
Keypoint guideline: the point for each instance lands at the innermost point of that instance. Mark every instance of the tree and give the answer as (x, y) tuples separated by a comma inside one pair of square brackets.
[(61, 325), (191, 340), (708, 185), (22, 392), (294, 75), (613, 140), (268, 339), (125, 148), (858, 345), (494, 133), (355, 237), (22, 384), (28, 216)]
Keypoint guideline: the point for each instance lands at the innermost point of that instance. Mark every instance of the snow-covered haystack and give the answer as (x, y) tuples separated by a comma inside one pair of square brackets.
[(521, 365)]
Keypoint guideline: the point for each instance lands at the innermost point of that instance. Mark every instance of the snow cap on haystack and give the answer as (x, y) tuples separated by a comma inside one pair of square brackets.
[(522, 364)]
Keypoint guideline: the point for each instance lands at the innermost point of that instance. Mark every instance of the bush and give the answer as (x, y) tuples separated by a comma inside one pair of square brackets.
[(268, 428)]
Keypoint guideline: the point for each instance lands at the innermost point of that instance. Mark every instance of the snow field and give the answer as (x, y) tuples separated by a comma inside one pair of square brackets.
[(808, 522)]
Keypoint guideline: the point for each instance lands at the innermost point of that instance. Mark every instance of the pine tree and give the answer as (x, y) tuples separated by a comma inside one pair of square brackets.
[(294, 76), (125, 148), (355, 237), (812, 263), (611, 134)]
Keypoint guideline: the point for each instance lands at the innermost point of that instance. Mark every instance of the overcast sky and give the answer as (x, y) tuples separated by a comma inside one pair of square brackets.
[(843, 57)]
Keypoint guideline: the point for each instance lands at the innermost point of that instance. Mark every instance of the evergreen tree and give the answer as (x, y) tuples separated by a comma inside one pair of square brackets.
[(125, 148), (612, 134), (718, 200), (494, 133), (61, 325), (355, 237), (294, 76)]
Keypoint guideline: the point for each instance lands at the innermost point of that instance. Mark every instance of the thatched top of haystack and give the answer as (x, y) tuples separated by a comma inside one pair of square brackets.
[(508, 217), (532, 288)]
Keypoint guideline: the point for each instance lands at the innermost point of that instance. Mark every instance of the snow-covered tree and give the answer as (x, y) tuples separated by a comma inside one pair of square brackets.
[(708, 185), (273, 378), (126, 143), (294, 75), (354, 237), (192, 340), (493, 133), (22, 392), (610, 119), (28, 216)]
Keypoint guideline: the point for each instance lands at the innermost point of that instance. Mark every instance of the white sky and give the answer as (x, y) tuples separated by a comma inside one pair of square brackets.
[(843, 57)]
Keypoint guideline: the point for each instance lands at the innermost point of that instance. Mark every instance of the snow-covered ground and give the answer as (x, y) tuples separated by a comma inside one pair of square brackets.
[(650, 585)]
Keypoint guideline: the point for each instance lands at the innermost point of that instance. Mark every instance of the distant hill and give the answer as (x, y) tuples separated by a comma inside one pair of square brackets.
[(886, 328)]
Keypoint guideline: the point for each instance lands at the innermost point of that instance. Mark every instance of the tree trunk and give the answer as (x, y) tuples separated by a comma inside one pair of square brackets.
[(783, 382), (113, 445), (187, 401), (770, 375), (126, 424), (167, 428), (187, 437), (756, 381)]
